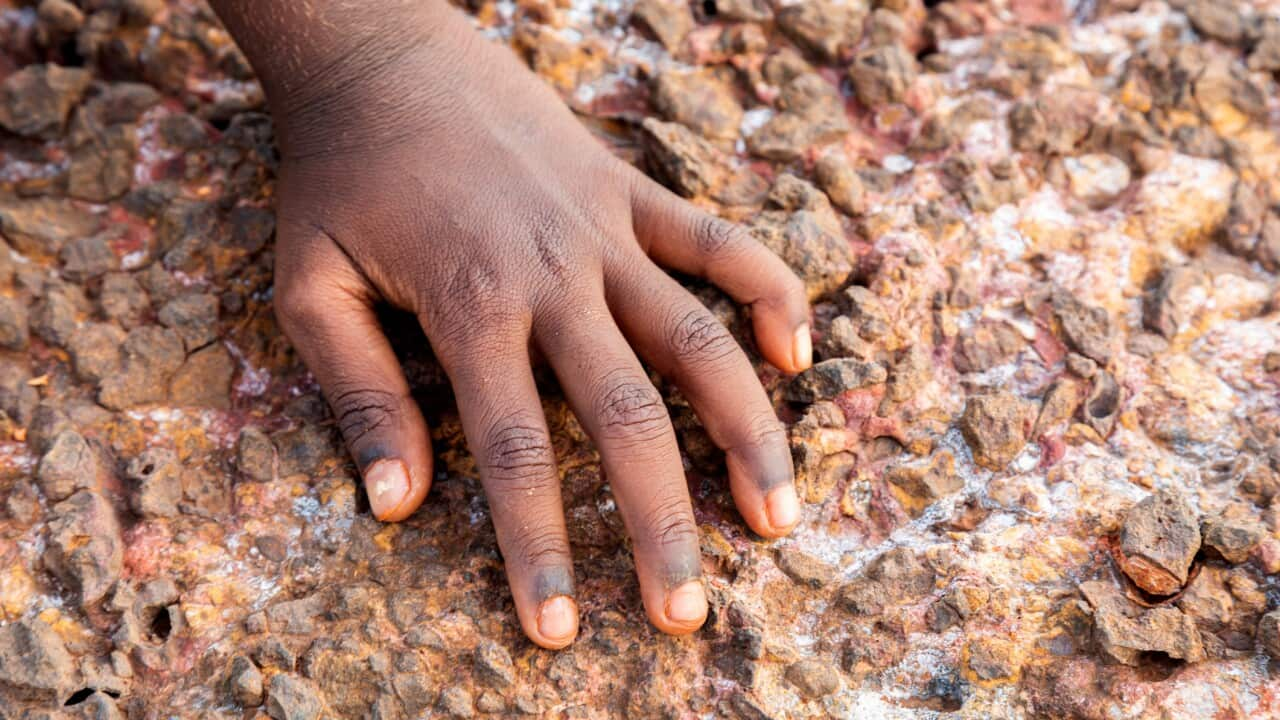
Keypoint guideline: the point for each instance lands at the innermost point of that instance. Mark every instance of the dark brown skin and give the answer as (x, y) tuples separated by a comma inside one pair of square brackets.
[(427, 168)]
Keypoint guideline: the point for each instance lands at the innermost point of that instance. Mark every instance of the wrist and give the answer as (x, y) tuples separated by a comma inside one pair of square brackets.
[(330, 60)]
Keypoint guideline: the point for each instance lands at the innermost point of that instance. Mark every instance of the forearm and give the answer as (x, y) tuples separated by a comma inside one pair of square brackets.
[(316, 57)]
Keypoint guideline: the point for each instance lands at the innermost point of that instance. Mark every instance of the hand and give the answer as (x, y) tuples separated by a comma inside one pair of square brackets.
[(427, 168)]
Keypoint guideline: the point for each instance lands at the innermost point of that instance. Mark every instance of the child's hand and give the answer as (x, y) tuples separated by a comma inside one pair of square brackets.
[(426, 167)]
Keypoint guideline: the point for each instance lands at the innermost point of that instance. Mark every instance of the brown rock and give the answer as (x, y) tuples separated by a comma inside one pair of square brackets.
[(151, 357), (34, 663), (669, 21), (156, 475), (1268, 634), (204, 380), (1124, 630), (1234, 538), (14, 331), (992, 658), (1102, 406), (819, 254), (244, 682), (804, 568), (293, 698), (1060, 403), (826, 28), (36, 100), (988, 344), (699, 100), (95, 350), (1168, 307), (837, 178), (918, 485), (85, 550), (996, 426), (814, 678), (1087, 329), (41, 226), (688, 164), (882, 75), (894, 577), (1159, 539), (69, 465), (829, 378), (1216, 20)]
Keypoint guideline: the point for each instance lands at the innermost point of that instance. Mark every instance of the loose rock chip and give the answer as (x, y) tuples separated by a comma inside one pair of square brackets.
[(1159, 540)]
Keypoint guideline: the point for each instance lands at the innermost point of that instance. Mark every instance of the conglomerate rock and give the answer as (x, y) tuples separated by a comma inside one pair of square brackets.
[(1039, 450)]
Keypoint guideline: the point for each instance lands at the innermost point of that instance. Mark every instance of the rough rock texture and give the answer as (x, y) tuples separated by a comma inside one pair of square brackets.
[(1040, 240), (1159, 539)]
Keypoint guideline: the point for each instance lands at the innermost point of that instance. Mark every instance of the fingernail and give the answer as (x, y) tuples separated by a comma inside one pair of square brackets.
[(387, 482), (558, 618), (783, 507), (802, 348), (687, 604)]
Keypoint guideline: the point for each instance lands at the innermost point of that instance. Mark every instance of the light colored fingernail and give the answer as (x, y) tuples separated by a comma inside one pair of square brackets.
[(687, 604), (558, 618), (783, 508), (387, 482), (802, 348)]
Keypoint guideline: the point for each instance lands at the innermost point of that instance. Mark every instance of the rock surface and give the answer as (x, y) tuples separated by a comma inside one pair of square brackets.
[(1040, 241)]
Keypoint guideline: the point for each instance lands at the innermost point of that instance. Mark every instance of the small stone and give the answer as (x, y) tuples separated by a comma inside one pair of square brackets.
[(194, 317), (1086, 328), (814, 678), (95, 350), (151, 356), (918, 485), (43, 225), (1269, 634), (669, 21), (896, 576), (992, 658), (1233, 538), (69, 465), (204, 380), (837, 178), (13, 324), (1159, 539), (988, 344), (156, 475), (882, 75), (804, 568), (699, 100), (293, 698), (36, 100), (255, 455), (829, 378), (811, 243), (1169, 307), (85, 550), (34, 664), (1124, 630), (996, 426), (60, 16), (456, 702), (1216, 20), (1097, 179), (244, 682), (493, 664), (826, 28)]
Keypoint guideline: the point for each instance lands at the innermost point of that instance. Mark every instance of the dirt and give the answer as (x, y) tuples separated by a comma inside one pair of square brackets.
[(1038, 450)]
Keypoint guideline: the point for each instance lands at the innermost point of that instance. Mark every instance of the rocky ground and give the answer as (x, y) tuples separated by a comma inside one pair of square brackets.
[(1039, 451)]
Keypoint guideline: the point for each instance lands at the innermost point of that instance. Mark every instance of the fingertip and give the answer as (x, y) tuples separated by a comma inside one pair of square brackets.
[(802, 348), (556, 625), (782, 507), (685, 609), (395, 490)]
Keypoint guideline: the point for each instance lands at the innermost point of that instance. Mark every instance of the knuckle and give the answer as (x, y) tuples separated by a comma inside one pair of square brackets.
[(539, 546), (547, 231), (517, 455), (764, 431), (632, 408), (294, 306), (361, 410), (717, 237), (698, 337), (669, 521)]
